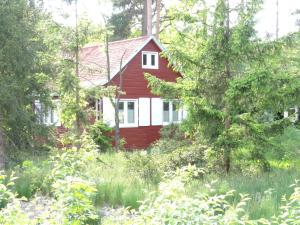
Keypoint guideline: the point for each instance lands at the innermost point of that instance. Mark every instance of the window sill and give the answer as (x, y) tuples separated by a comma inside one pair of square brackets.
[(128, 125), (150, 67), (169, 123)]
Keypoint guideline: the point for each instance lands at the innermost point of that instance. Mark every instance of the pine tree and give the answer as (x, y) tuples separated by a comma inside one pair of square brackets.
[(231, 79), (25, 68)]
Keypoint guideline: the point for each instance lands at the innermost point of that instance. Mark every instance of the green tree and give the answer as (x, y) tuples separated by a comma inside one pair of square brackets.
[(25, 65), (130, 17), (231, 79)]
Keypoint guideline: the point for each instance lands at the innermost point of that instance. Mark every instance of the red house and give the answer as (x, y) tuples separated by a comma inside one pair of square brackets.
[(141, 113)]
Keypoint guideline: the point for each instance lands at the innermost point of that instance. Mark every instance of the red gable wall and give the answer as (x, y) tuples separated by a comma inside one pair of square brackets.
[(135, 86), (134, 83)]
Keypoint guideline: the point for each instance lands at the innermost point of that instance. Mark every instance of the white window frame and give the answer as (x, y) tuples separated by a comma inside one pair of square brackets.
[(51, 113), (98, 109), (180, 112), (136, 115), (148, 65)]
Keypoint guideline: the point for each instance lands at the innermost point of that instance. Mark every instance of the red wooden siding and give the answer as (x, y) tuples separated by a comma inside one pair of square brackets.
[(140, 137), (134, 83), (135, 86)]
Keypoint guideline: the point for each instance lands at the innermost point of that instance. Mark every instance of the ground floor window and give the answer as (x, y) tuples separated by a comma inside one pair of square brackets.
[(128, 112), (47, 115), (171, 112)]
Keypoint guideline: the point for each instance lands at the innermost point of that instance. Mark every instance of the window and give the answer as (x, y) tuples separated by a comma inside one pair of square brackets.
[(47, 115), (175, 112), (166, 112), (171, 112), (98, 106), (150, 60), (128, 113)]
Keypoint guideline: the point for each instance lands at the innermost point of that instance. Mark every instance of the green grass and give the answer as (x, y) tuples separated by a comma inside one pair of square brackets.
[(265, 190), (115, 185)]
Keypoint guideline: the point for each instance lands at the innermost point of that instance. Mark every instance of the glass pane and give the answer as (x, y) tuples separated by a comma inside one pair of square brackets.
[(121, 112), (166, 112), (152, 60), (52, 116), (144, 59), (175, 112), (130, 111)]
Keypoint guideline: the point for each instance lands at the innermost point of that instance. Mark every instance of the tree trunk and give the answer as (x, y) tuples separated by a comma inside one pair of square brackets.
[(227, 121), (277, 19), (77, 122), (2, 145), (144, 19), (227, 150), (117, 125), (158, 2), (149, 17)]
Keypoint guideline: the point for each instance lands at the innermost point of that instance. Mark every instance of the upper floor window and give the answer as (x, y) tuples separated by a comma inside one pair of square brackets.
[(128, 113), (149, 60)]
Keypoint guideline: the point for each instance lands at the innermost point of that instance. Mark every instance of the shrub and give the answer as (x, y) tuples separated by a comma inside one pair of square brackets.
[(6, 195), (31, 178), (183, 156), (144, 165), (101, 135), (172, 137), (75, 198)]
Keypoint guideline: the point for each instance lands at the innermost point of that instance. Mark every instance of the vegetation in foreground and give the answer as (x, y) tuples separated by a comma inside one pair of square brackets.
[(148, 188)]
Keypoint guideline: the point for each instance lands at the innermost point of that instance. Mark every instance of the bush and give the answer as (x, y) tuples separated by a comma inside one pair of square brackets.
[(144, 165), (172, 137), (184, 156), (31, 178), (101, 135), (75, 198), (6, 183)]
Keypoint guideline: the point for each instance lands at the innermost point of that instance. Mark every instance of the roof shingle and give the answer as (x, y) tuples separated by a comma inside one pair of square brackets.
[(93, 62)]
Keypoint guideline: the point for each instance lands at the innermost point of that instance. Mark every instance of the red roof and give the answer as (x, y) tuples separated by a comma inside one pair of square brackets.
[(93, 62)]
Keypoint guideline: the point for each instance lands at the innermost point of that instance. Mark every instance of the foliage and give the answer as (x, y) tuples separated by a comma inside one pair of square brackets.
[(172, 206), (287, 145), (26, 69), (101, 135), (6, 195), (76, 196), (128, 16), (194, 154), (145, 166), (13, 214), (32, 178), (230, 79)]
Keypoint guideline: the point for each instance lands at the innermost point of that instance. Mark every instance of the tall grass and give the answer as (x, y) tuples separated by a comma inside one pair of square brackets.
[(115, 185), (265, 190)]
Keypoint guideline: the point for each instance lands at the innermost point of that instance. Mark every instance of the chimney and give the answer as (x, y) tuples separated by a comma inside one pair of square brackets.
[(149, 17)]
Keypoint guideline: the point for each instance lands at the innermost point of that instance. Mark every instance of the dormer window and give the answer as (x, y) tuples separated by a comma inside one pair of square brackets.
[(150, 60)]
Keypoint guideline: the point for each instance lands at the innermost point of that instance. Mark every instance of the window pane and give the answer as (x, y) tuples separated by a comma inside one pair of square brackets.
[(121, 112), (130, 111), (144, 59), (166, 112), (175, 112), (152, 60)]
